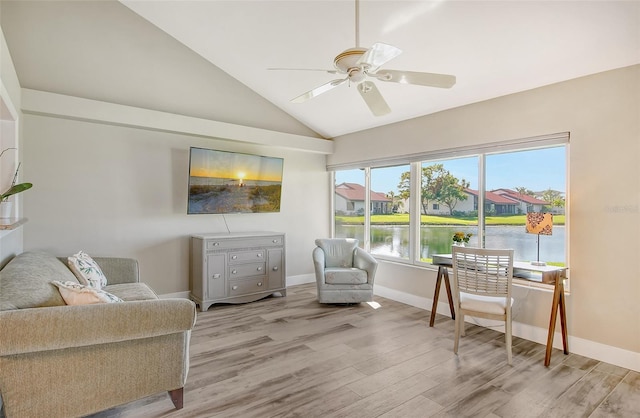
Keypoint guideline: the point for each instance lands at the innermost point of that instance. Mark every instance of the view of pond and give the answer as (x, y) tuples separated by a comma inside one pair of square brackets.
[(393, 240)]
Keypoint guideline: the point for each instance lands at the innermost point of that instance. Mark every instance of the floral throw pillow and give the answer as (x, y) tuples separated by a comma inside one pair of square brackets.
[(78, 294), (87, 270)]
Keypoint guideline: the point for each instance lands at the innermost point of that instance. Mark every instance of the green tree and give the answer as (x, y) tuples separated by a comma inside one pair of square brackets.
[(554, 198), (525, 191), (438, 185)]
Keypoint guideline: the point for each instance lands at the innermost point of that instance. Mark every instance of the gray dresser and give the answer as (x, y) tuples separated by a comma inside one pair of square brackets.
[(236, 267)]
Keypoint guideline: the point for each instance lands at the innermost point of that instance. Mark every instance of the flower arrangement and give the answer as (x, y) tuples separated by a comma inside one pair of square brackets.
[(461, 237)]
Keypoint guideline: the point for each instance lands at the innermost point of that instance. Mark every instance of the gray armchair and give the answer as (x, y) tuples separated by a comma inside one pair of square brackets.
[(344, 272)]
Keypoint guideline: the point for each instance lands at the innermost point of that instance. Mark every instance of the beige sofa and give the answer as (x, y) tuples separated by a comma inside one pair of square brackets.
[(69, 361)]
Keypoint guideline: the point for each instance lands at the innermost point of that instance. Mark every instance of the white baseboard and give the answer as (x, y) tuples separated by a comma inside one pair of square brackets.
[(301, 279), (598, 351)]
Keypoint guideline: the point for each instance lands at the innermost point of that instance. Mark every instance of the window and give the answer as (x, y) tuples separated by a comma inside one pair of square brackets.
[(485, 191), (389, 227), (520, 182), (450, 188), (349, 204)]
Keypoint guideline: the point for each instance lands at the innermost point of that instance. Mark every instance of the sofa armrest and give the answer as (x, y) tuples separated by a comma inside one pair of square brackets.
[(365, 261), (85, 325)]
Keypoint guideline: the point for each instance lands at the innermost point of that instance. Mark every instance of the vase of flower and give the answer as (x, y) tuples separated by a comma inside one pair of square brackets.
[(5, 209), (460, 239)]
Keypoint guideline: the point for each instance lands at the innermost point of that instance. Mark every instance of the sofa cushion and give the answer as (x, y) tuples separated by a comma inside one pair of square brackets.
[(345, 276), (131, 291), (86, 270), (25, 282), (338, 252), (79, 294)]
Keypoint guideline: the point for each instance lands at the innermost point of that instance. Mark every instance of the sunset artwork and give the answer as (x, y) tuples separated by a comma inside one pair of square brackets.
[(231, 182)]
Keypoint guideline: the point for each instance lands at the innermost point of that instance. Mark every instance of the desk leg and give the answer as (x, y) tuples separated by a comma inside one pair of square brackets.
[(557, 304), (442, 274), (447, 286)]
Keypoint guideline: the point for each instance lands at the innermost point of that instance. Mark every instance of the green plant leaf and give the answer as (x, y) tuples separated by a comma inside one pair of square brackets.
[(15, 189)]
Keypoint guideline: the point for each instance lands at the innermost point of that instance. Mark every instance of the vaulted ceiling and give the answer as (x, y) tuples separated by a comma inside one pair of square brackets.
[(494, 48)]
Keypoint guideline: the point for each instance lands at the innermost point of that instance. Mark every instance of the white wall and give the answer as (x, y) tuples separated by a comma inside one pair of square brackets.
[(602, 114), (122, 191)]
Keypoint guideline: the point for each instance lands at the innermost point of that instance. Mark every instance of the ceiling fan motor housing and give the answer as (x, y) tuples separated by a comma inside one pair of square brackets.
[(348, 59)]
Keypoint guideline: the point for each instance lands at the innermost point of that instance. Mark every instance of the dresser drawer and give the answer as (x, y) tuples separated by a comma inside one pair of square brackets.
[(245, 286), (245, 256), (218, 244), (245, 270)]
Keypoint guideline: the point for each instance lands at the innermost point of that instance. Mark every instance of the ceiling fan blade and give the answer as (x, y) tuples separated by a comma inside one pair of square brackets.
[(373, 98), (378, 55), (412, 77), (303, 69), (318, 90)]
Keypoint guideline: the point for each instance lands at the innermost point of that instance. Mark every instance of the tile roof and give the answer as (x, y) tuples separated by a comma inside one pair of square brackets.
[(354, 191)]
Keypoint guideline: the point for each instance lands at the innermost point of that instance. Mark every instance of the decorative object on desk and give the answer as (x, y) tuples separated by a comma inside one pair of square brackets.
[(539, 223), (460, 238), (5, 205)]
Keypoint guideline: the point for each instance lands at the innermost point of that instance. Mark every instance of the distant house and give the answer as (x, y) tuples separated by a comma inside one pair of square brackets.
[(499, 201), (350, 200), (525, 203)]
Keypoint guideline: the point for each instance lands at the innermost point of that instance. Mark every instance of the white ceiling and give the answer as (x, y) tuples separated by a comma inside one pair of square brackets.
[(494, 48)]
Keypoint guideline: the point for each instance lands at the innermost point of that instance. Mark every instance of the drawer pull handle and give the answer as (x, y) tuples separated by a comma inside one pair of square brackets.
[(216, 244), (216, 276), (234, 271), (259, 269), (275, 241), (275, 268), (234, 287), (259, 284), (259, 255), (234, 257)]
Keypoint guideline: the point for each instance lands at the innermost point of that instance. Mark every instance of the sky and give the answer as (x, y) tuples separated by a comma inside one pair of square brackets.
[(233, 165), (537, 170)]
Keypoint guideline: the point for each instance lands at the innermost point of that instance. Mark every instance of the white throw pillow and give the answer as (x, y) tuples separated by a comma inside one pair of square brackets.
[(78, 294), (87, 270)]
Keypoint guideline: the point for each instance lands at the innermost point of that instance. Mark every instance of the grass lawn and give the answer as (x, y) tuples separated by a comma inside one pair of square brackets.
[(403, 219)]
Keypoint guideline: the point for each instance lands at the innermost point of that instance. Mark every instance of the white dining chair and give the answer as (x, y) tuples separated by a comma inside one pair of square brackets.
[(482, 286)]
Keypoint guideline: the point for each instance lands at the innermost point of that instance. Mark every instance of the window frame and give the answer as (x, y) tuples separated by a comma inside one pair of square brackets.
[(415, 162)]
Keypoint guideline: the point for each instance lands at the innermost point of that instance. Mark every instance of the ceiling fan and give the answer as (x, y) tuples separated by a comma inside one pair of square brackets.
[(361, 64)]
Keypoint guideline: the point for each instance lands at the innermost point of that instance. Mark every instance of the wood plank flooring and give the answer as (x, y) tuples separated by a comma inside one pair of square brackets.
[(292, 357)]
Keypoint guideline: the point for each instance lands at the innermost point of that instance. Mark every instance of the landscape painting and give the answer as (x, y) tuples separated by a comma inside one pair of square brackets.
[(231, 182)]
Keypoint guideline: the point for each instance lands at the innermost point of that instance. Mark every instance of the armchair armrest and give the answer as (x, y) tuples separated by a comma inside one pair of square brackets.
[(85, 325), (365, 261)]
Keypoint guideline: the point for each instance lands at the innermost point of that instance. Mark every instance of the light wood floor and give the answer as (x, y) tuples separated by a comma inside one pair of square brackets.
[(292, 357)]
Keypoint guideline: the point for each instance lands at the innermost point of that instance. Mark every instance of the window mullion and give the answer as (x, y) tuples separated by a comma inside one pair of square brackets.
[(367, 209), (481, 199), (414, 212)]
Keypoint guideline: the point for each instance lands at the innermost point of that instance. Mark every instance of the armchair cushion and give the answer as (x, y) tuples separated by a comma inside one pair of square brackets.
[(338, 252), (333, 275)]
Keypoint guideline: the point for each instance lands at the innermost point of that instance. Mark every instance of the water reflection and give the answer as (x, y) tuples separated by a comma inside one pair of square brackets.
[(393, 240)]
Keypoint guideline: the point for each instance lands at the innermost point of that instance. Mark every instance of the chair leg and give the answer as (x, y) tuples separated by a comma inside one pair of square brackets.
[(457, 336), (462, 324), (507, 336), (176, 396)]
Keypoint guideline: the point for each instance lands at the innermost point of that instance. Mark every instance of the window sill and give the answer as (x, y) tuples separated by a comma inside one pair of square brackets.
[(7, 224)]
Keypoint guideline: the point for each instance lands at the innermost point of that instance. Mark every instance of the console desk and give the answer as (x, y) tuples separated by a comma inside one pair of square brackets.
[(522, 270)]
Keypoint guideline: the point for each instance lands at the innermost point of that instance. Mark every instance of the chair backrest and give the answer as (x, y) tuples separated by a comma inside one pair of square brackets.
[(481, 271), (338, 252)]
